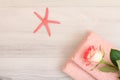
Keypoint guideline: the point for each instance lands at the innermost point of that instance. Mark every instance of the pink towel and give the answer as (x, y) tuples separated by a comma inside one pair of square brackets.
[(78, 66), (77, 73)]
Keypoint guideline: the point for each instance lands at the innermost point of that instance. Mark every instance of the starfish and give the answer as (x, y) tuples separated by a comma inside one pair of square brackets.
[(45, 22)]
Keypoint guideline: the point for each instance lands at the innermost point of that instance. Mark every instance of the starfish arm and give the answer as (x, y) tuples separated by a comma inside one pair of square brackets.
[(52, 21), (38, 15), (48, 29), (39, 26), (46, 14)]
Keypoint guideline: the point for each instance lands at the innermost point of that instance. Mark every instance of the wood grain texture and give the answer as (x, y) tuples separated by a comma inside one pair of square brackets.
[(28, 56), (59, 3)]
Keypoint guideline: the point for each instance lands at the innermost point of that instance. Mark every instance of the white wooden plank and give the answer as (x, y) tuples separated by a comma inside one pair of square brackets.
[(57, 3), (15, 28), (31, 68)]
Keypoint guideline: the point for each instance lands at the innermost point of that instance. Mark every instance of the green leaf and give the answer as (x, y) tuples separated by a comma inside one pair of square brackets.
[(118, 63), (108, 69), (114, 56)]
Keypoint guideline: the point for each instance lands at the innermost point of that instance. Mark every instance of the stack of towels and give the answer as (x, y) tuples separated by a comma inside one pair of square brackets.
[(76, 67)]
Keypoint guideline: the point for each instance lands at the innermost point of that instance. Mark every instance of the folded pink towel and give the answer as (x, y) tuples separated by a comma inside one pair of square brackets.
[(77, 73), (81, 68)]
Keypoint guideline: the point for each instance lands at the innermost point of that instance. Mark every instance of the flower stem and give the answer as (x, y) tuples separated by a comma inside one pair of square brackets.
[(105, 62), (95, 66)]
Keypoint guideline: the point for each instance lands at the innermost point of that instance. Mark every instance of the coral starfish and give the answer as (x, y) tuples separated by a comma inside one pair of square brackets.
[(45, 22)]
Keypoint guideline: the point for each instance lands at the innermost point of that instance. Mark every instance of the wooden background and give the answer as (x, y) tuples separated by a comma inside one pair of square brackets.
[(28, 56)]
